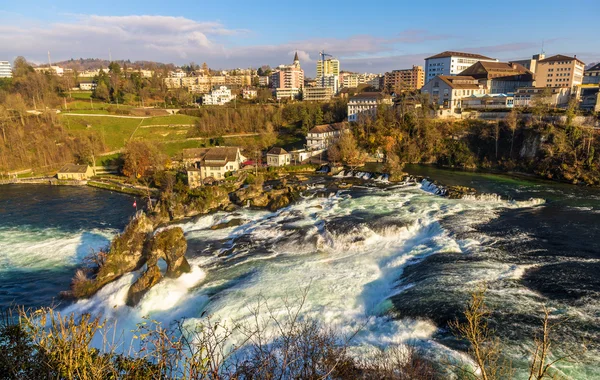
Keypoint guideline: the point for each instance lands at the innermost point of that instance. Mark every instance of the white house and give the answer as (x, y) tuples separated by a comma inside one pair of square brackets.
[(366, 103), (448, 91), (218, 97), (214, 163), (5, 70), (451, 63), (278, 157), (87, 86), (322, 136)]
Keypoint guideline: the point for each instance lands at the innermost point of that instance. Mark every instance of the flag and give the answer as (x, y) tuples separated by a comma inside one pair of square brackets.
[(135, 203)]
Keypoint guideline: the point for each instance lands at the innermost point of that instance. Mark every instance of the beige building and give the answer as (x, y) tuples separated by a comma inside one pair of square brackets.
[(213, 164), (365, 104), (559, 71), (526, 96), (278, 157), (317, 94), (322, 136), (530, 64), (447, 91), (404, 80), (75, 172), (500, 77)]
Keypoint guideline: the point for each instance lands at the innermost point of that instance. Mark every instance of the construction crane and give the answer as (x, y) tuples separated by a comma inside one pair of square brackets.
[(323, 55)]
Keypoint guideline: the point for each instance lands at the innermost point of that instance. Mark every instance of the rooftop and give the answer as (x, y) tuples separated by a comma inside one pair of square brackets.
[(368, 95), (459, 54), (277, 151), (225, 154), (488, 70), (596, 67), (329, 128), (74, 169), (460, 82), (560, 57)]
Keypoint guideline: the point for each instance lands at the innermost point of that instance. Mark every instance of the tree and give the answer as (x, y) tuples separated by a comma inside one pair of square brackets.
[(350, 154), (101, 92), (484, 345), (140, 158)]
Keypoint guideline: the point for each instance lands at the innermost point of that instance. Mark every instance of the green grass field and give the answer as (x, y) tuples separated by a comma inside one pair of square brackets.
[(171, 119), (114, 131), (162, 133), (85, 95)]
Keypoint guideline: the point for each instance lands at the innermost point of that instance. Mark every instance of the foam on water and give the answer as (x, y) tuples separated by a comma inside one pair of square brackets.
[(31, 249), (350, 252)]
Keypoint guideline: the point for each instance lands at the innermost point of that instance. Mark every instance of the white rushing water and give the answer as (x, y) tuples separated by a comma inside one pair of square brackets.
[(348, 250)]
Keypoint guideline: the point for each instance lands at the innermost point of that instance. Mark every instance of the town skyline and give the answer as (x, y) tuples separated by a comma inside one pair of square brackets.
[(237, 35)]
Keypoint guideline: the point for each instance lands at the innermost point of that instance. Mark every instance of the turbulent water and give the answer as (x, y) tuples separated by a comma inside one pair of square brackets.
[(397, 262)]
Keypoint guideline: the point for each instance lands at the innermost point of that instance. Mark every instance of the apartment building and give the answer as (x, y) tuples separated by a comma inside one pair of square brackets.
[(177, 74), (559, 71), (5, 69), (590, 76), (447, 91), (404, 80), (500, 77), (530, 64), (263, 81), (451, 63), (365, 104), (329, 66), (317, 94), (218, 97), (288, 76)]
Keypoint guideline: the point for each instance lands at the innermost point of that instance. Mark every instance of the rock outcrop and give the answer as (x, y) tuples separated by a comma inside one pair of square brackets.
[(169, 245), (281, 195), (130, 251)]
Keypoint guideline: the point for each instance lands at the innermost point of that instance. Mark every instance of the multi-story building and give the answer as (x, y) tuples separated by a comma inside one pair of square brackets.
[(213, 163), (559, 71), (404, 80), (317, 94), (323, 136), (530, 64), (287, 93), (57, 70), (288, 76), (332, 67), (331, 81), (451, 63), (353, 80), (5, 70), (488, 101), (590, 76), (365, 104), (526, 96), (447, 91), (500, 77), (177, 74), (328, 74), (263, 81), (218, 97)]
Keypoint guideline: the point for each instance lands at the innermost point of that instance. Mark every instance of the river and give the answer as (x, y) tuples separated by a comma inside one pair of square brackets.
[(397, 262)]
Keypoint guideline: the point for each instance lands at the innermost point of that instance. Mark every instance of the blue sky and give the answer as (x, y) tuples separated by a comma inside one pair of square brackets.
[(366, 37)]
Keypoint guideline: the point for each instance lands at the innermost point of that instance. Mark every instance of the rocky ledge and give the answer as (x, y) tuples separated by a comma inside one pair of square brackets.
[(137, 246)]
